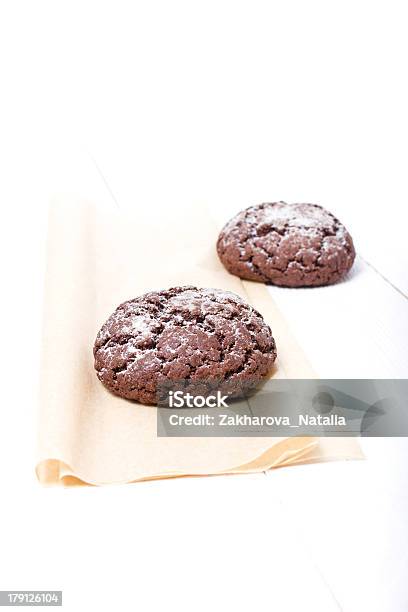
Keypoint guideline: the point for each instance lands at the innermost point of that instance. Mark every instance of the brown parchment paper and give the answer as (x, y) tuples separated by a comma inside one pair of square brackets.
[(96, 259)]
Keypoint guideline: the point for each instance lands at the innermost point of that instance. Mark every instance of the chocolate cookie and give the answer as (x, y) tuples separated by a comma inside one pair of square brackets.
[(292, 245), (183, 334)]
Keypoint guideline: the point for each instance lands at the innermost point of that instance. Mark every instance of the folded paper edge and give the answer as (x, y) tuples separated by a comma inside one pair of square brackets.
[(54, 472)]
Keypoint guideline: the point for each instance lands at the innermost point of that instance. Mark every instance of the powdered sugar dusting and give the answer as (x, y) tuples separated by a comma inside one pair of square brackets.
[(291, 215), (286, 244), (184, 332)]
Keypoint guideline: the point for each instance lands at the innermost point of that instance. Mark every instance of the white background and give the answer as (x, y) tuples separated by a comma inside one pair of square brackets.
[(223, 104)]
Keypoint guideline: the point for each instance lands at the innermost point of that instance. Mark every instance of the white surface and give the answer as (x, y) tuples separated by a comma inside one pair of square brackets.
[(224, 104), (361, 325)]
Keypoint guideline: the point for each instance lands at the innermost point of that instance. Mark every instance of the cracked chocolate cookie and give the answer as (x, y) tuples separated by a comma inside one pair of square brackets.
[(292, 245), (206, 338)]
